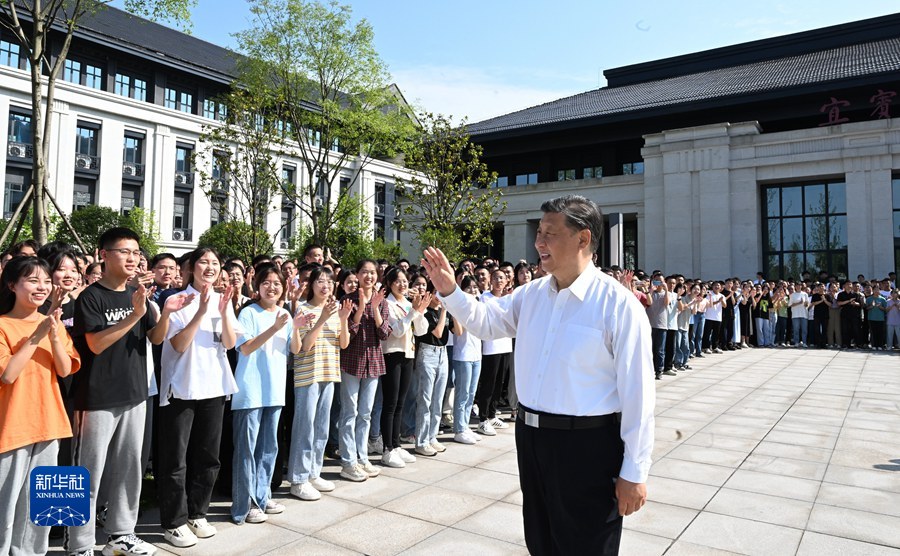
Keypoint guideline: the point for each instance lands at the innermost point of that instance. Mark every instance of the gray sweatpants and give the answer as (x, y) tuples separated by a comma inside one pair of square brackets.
[(108, 443), (18, 535)]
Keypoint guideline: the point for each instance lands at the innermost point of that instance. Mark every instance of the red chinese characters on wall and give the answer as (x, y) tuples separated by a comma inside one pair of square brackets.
[(880, 101)]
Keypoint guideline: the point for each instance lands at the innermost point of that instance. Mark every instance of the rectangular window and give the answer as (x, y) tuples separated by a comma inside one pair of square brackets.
[(633, 168), (134, 149), (593, 172), (9, 54), (565, 175), (84, 194), (19, 128), (214, 110), (502, 181), (93, 77), (805, 228), (86, 139), (123, 85), (171, 100), (526, 179), (287, 227), (183, 159), (288, 179), (16, 178), (131, 197), (82, 73), (186, 102), (181, 216), (72, 71), (131, 87)]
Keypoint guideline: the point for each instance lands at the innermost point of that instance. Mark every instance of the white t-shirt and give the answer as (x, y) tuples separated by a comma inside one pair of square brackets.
[(466, 347), (714, 311), (202, 371), (799, 311), (501, 345)]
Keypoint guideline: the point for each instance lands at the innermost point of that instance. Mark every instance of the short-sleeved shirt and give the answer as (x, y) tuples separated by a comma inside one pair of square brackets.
[(714, 310), (323, 362), (800, 311), (261, 376), (432, 316), (876, 315), (893, 317), (657, 312), (31, 408), (116, 377), (202, 371)]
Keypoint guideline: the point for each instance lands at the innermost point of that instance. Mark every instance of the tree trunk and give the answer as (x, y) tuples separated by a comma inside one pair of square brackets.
[(39, 168)]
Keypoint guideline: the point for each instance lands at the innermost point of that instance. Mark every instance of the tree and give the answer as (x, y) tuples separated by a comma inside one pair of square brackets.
[(448, 203), (329, 95), (235, 239), (89, 222), (244, 176), (32, 23)]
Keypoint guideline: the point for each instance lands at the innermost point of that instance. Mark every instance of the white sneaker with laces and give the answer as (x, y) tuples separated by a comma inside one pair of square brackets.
[(201, 528), (128, 545), (256, 516), (273, 507), (321, 484), (499, 423), (305, 491), (353, 473), (463, 438), (438, 447), (369, 469), (391, 458), (405, 456), (486, 428), (182, 537)]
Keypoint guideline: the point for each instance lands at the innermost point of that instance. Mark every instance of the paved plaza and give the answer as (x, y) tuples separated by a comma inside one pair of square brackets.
[(758, 451)]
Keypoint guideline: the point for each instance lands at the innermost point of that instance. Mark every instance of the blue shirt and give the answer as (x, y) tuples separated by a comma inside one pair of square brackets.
[(262, 375)]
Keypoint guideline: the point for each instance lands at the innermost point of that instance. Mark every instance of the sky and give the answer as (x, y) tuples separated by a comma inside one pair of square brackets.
[(485, 58)]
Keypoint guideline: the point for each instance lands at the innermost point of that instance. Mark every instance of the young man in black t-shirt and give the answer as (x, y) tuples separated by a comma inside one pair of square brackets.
[(850, 304), (112, 323)]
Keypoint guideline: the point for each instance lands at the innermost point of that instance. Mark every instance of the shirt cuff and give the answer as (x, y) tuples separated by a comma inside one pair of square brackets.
[(633, 471), (455, 299)]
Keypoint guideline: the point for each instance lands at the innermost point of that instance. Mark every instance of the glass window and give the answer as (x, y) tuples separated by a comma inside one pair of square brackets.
[(565, 175), (133, 149), (171, 100), (132, 87), (182, 159), (86, 141), (93, 77), (131, 197), (633, 168), (16, 178), (526, 179), (123, 85), (72, 71), (181, 219), (84, 194), (806, 229), (9, 54), (19, 128), (186, 102), (139, 90), (502, 181)]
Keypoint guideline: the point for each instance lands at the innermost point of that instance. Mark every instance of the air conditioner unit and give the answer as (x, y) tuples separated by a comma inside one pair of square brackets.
[(16, 150), (82, 161), (180, 178), (319, 202), (285, 245), (178, 235), (129, 169)]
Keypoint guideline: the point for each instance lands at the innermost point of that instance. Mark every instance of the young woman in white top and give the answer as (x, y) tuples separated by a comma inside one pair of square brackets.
[(196, 378), (467, 370), (406, 319), (256, 407), (495, 358)]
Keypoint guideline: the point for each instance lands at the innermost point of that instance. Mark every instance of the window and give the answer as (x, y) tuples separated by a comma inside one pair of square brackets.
[(19, 130), (86, 140), (502, 181), (184, 174), (82, 73), (214, 110), (16, 178), (219, 175), (84, 194), (182, 101), (181, 216), (288, 177), (593, 172), (287, 228), (526, 179), (630, 245), (804, 228), (565, 175), (345, 183), (133, 157), (131, 197), (314, 137), (633, 168), (895, 186), (218, 209), (9, 54), (131, 87)]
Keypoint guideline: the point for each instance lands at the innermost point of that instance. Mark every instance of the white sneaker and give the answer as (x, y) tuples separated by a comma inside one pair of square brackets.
[(321, 484), (498, 423), (127, 545), (405, 456), (369, 469), (426, 450), (353, 473), (273, 507), (256, 516), (408, 439), (182, 536), (463, 438), (305, 491), (486, 428), (438, 447), (392, 459), (201, 528)]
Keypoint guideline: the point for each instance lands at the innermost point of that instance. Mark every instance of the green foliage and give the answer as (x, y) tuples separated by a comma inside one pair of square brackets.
[(90, 222), (325, 84), (446, 204), (236, 239), (26, 232), (144, 223)]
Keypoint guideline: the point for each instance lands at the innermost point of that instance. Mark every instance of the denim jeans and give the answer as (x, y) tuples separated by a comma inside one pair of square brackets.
[(697, 340), (309, 432), (375, 428), (431, 368), (466, 375), (255, 450), (799, 325), (780, 328), (682, 349), (763, 332), (658, 339), (357, 398)]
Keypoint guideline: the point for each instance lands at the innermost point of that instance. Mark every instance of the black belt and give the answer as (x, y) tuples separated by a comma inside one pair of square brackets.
[(541, 420)]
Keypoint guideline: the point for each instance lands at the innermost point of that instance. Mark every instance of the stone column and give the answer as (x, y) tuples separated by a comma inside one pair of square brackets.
[(616, 239)]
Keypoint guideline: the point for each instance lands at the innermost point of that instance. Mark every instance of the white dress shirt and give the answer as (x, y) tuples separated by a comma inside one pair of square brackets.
[(585, 350)]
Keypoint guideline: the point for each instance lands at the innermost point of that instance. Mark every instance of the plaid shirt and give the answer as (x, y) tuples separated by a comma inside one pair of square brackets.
[(363, 357)]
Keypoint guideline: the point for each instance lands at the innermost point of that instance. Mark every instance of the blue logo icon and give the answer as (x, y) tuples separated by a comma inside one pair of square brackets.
[(60, 496)]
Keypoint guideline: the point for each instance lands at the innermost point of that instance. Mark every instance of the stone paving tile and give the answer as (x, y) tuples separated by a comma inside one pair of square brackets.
[(481, 482), (715, 456), (374, 492), (755, 433), (775, 485), (438, 505), (702, 473), (785, 466), (866, 478), (642, 544), (709, 440), (368, 532), (817, 544), (452, 542), (309, 546), (760, 507), (506, 463), (742, 536), (858, 498), (684, 548), (659, 519), (308, 517), (679, 493), (802, 439), (805, 453), (500, 521), (855, 524)]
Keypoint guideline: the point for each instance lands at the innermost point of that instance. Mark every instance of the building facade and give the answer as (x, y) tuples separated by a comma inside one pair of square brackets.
[(131, 105), (780, 155)]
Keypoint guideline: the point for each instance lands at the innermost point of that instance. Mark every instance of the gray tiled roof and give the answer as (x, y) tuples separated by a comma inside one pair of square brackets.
[(816, 67), (159, 41)]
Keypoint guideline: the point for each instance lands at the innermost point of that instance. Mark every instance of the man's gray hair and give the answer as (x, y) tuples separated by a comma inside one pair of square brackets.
[(581, 214)]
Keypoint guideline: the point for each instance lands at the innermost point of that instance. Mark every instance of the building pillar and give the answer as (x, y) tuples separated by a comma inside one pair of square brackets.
[(616, 239), (516, 238)]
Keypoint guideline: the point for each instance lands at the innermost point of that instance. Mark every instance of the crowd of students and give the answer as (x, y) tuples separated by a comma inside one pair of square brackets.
[(205, 371)]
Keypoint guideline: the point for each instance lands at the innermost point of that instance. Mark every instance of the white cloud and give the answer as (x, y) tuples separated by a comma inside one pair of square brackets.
[(476, 93)]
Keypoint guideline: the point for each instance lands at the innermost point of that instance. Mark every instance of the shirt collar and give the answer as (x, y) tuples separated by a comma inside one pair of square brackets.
[(580, 286)]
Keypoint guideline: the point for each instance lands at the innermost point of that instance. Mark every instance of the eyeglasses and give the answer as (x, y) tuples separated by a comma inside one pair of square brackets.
[(125, 252)]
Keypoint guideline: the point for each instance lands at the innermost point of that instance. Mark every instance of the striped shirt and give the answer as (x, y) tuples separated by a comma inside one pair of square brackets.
[(322, 362)]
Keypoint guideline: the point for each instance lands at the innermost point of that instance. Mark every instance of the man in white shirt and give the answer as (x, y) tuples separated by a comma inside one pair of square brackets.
[(584, 379), (798, 303)]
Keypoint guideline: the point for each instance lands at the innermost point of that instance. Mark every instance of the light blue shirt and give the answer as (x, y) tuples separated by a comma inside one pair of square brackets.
[(262, 375)]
